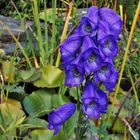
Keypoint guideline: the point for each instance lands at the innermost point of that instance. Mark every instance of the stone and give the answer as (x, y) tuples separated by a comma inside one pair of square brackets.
[(17, 27)]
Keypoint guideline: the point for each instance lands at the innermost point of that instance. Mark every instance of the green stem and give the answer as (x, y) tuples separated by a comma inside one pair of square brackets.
[(40, 40), (78, 124), (46, 30), (53, 42), (80, 116)]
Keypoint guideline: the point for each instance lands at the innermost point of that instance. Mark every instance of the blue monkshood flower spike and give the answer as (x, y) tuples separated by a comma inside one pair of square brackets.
[(108, 75), (57, 117), (112, 18), (74, 75), (94, 100)]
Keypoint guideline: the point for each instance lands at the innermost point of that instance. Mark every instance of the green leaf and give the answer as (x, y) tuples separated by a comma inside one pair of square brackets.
[(14, 88), (8, 71), (124, 111), (71, 124), (38, 102), (11, 118), (117, 137), (58, 100), (26, 138), (49, 14), (119, 126), (93, 127), (28, 75), (73, 92), (41, 134), (51, 77), (36, 123)]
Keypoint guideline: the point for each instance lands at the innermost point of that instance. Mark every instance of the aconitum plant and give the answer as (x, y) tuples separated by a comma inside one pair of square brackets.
[(88, 61)]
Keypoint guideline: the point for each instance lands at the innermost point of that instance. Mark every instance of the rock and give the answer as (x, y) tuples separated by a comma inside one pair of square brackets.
[(17, 27), (10, 47)]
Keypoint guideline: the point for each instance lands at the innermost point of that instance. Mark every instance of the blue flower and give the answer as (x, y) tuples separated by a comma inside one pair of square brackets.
[(105, 31), (74, 75), (108, 75), (87, 43), (57, 117), (86, 27), (108, 47), (112, 18), (73, 47), (92, 14), (88, 23), (70, 48), (94, 100), (91, 60)]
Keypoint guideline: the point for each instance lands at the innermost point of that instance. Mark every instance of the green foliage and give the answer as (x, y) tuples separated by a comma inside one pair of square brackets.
[(50, 77), (24, 8), (28, 75), (39, 86), (41, 134), (100, 131), (38, 102), (129, 8), (134, 59), (11, 118), (9, 71)]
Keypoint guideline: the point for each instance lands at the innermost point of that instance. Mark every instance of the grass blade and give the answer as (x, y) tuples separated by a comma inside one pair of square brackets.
[(64, 34)]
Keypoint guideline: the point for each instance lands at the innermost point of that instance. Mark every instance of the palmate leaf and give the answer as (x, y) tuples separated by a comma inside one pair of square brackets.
[(58, 100), (51, 77), (28, 75), (14, 103), (35, 122), (38, 102), (70, 124), (8, 71), (42, 101), (11, 118), (41, 134)]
